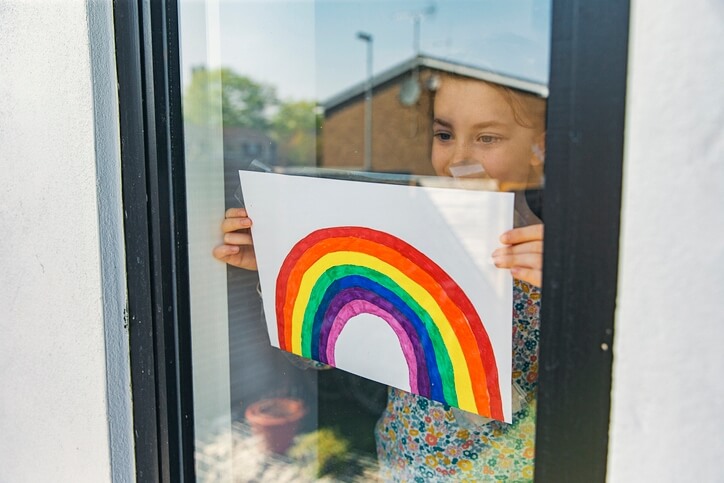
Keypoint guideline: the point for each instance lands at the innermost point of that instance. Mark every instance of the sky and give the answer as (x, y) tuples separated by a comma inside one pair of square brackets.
[(310, 51)]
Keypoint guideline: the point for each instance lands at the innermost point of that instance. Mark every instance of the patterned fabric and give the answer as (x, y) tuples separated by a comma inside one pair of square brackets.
[(422, 440)]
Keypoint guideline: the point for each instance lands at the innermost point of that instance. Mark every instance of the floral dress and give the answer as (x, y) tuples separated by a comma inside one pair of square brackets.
[(422, 440)]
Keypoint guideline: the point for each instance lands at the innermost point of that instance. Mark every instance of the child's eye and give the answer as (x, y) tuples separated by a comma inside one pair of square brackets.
[(488, 139), (443, 135)]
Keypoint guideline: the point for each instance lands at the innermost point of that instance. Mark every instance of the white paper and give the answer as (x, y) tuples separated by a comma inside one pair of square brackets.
[(457, 229)]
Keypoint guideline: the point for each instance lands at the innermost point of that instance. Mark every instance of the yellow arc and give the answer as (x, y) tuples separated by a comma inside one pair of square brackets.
[(463, 385)]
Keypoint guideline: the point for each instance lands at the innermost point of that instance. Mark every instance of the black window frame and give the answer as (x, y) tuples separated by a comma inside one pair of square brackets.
[(154, 207), (582, 205)]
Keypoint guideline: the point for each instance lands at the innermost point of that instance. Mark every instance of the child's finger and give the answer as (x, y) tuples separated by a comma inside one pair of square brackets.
[(222, 251), (524, 260), (236, 213), (522, 235), (233, 224), (530, 275), (238, 239), (528, 247)]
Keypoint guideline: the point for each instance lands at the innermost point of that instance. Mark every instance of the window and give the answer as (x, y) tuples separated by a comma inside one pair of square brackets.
[(196, 194)]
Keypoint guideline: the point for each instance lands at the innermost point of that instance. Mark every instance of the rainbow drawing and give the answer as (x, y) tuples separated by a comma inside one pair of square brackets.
[(334, 274)]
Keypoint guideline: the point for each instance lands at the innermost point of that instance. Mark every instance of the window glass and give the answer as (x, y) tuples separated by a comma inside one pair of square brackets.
[(449, 94)]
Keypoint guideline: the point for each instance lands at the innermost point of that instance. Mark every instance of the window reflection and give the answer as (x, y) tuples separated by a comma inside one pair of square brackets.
[(457, 90)]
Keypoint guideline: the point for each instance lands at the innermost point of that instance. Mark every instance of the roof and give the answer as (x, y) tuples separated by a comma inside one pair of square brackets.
[(423, 61)]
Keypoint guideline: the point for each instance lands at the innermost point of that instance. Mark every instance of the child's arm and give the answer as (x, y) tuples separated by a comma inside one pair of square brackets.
[(238, 247), (523, 253)]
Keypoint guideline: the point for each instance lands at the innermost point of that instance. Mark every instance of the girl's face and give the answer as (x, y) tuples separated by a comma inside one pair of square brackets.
[(474, 127)]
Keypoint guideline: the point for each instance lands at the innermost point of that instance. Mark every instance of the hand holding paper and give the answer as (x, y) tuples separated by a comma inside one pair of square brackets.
[(238, 247), (523, 253)]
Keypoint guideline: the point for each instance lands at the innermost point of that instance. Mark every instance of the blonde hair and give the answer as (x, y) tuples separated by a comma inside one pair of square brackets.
[(528, 109)]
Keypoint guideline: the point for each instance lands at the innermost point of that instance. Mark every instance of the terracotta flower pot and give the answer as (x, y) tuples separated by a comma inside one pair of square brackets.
[(276, 421)]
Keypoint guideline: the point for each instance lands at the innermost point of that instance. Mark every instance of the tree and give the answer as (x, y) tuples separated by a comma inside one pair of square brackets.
[(294, 128), (222, 95), (241, 101)]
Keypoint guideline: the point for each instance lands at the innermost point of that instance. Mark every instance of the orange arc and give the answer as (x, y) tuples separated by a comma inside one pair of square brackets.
[(453, 313)]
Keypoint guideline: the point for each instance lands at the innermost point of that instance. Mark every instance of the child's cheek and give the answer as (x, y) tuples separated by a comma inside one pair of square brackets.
[(439, 163)]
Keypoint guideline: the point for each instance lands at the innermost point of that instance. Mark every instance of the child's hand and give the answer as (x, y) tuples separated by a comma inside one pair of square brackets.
[(523, 253), (238, 247)]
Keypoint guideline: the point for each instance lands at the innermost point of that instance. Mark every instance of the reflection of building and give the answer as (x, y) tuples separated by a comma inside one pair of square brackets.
[(401, 132), (242, 145)]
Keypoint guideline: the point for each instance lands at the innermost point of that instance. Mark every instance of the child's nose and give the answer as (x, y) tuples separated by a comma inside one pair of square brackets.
[(466, 169), (462, 153), (463, 164)]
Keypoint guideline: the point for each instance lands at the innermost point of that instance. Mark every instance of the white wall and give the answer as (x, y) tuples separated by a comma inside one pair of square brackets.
[(64, 390), (668, 391), (64, 398)]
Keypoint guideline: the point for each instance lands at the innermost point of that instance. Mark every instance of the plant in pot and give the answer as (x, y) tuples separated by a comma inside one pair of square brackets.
[(276, 420)]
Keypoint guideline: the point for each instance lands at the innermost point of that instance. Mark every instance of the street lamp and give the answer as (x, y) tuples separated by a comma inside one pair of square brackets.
[(367, 38)]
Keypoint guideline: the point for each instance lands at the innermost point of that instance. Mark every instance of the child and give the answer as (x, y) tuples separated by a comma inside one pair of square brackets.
[(488, 131), (483, 130)]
